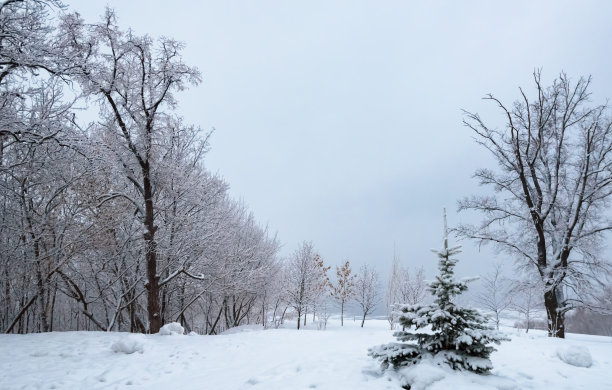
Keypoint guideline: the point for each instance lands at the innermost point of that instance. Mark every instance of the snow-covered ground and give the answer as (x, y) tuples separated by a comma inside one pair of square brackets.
[(251, 358)]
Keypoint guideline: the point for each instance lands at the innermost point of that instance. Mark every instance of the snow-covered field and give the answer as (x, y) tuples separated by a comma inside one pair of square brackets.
[(251, 358)]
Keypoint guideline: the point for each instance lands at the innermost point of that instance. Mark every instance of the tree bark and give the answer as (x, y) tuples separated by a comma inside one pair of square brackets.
[(153, 304), (556, 319), (299, 319)]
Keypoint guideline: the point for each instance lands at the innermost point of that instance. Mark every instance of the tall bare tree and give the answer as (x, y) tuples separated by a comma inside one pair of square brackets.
[(552, 190), (134, 79)]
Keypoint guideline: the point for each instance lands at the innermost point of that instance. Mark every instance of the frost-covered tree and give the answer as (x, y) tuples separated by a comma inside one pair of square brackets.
[(392, 292), (442, 330), (553, 187), (320, 288), (134, 79), (496, 295), (117, 225), (344, 289), (305, 276), (412, 286), (526, 298), (367, 290)]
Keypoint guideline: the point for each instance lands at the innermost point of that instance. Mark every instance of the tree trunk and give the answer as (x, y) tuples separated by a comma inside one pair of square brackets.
[(214, 325), (282, 320), (363, 319), (342, 313), (556, 319), (299, 318), (153, 306), (528, 319)]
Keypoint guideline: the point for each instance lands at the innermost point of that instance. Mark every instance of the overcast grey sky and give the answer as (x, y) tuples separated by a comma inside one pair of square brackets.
[(340, 121)]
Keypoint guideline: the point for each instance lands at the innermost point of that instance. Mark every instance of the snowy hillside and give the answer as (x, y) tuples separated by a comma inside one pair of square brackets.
[(280, 359)]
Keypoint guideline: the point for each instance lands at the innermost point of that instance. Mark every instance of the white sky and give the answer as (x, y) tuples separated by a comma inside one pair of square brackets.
[(340, 121)]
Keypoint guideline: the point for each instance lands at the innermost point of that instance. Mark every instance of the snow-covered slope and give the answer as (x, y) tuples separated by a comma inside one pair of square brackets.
[(280, 359)]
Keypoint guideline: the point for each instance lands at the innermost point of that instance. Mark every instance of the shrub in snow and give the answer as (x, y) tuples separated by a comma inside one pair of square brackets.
[(575, 355), (458, 336), (171, 328), (127, 345)]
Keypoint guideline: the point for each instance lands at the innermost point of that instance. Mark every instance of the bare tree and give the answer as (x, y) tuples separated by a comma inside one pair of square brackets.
[(412, 288), (526, 298), (305, 274), (495, 296), (552, 190), (367, 290), (392, 292), (135, 79)]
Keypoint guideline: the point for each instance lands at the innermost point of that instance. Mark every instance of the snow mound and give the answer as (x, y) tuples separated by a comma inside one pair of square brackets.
[(127, 345), (171, 328), (575, 355), (243, 329), (421, 376)]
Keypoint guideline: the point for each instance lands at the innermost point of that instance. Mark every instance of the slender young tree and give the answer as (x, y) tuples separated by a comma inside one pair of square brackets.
[(367, 291), (526, 298), (304, 278), (344, 290), (392, 293), (496, 296)]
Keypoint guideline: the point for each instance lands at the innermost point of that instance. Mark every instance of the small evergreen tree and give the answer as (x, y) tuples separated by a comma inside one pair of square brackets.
[(457, 336)]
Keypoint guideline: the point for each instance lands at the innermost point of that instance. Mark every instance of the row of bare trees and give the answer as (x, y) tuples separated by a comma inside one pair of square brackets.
[(307, 288), (113, 224)]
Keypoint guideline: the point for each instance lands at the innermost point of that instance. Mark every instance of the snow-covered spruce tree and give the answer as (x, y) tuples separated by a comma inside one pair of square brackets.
[(442, 331)]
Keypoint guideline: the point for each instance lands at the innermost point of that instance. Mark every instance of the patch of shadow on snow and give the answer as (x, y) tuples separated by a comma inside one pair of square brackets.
[(376, 373)]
